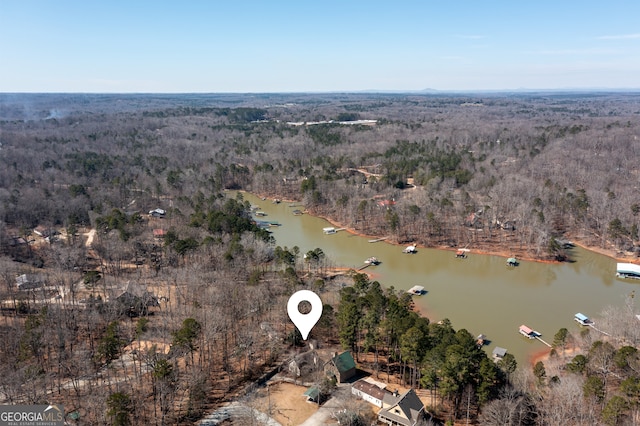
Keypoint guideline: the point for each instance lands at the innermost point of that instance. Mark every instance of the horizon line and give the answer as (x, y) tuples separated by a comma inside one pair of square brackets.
[(363, 91)]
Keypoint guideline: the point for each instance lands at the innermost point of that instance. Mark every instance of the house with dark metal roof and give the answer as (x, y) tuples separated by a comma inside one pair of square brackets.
[(407, 411), (134, 300)]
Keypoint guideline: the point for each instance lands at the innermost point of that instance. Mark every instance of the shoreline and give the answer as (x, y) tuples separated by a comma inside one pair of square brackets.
[(611, 253), (543, 355)]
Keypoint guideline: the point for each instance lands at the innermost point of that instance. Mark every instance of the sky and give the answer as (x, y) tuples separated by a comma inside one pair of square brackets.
[(197, 46)]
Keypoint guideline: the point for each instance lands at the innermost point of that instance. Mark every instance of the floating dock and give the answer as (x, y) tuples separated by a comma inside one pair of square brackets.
[(378, 239), (531, 334)]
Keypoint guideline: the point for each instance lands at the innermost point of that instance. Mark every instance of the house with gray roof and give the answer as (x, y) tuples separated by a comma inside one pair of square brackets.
[(407, 411), (134, 300), (30, 281)]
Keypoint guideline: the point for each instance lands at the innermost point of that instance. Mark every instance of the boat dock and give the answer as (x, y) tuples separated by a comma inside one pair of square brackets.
[(331, 230), (410, 249), (538, 337), (378, 239), (531, 334), (416, 290)]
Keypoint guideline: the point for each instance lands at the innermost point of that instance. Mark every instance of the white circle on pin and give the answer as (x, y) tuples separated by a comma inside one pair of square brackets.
[(304, 322)]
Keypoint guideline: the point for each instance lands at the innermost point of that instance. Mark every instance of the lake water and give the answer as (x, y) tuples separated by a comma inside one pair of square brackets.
[(480, 293)]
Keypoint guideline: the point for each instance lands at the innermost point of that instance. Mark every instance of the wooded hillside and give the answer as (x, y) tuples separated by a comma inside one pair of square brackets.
[(133, 288), (519, 170)]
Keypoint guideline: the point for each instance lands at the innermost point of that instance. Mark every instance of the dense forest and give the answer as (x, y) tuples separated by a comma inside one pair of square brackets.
[(133, 284), (519, 171)]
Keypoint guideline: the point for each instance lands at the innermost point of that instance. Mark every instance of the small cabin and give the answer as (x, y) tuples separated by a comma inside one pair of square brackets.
[(582, 319)]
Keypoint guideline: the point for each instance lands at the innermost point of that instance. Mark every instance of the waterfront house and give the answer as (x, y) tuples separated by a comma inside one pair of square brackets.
[(408, 410)]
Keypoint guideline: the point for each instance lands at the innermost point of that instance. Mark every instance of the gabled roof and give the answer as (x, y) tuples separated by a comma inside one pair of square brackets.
[(136, 292), (344, 362), (370, 389), (406, 411), (499, 352)]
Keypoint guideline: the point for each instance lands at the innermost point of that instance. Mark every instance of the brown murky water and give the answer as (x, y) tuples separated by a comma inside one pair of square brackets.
[(481, 293)]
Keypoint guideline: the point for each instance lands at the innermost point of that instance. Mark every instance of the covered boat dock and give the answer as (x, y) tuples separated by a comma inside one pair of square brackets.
[(628, 270), (582, 319)]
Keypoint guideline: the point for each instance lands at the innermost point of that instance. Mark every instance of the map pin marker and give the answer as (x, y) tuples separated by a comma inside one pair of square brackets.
[(304, 322)]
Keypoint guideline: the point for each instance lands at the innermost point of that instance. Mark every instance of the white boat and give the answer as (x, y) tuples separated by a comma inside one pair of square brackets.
[(329, 230), (372, 261), (416, 290), (410, 249)]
